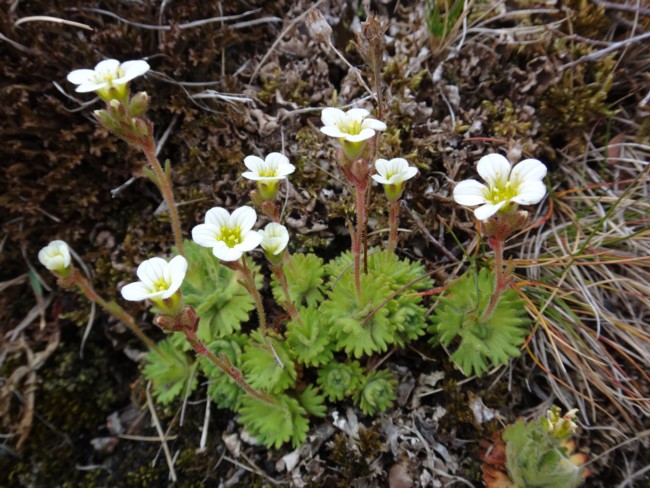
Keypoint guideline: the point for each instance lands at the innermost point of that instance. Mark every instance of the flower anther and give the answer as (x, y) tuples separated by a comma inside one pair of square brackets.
[(505, 186), (229, 235)]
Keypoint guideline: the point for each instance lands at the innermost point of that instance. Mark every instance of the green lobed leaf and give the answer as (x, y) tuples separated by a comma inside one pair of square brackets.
[(339, 380), (305, 279), (309, 338), (273, 425), (260, 367), (377, 392), (170, 370), (223, 390), (480, 343)]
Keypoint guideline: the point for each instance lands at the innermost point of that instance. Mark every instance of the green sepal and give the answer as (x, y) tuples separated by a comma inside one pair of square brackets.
[(480, 343), (273, 425), (305, 279), (260, 367), (377, 392), (339, 380), (170, 370), (309, 338), (214, 291)]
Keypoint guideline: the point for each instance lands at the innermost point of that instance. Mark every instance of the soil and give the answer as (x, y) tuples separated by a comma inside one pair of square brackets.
[(527, 79)]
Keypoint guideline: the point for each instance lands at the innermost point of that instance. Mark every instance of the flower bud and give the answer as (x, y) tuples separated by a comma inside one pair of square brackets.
[(138, 104), (56, 257)]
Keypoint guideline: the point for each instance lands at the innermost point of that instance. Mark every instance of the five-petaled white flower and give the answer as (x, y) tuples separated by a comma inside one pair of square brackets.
[(228, 235), (274, 167), (393, 172), (55, 256), (107, 74), (351, 126), (505, 185), (159, 280), (275, 238)]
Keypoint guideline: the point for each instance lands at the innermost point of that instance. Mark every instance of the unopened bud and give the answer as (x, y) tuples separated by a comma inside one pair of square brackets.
[(318, 27), (138, 104), (371, 41)]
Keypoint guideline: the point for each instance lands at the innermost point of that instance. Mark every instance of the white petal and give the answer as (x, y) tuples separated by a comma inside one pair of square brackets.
[(331, 116), (486, 211), (361, 136), (493, 168), (528, 169), (225, 253), (332, 131), (276, 159), (175, 274), (254, 163), (250, 175), (530, 192), (107, 66), (357, 113), (410, 172), (374, 124), (218, 217), (132, 69), (380, 179), (470, 192), (152, 270), (249, 242), (136, 292), (80, 76), (244, 218), (286, 169), (206, 235), (381, 165), (90, 87)]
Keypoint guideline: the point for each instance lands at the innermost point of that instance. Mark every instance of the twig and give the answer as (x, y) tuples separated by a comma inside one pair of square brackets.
[(604, 52), (161, 434)]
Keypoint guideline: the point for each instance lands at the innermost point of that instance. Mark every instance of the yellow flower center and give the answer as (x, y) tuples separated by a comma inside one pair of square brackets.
[(231, 237), (269, 172), (160, 285), (352, 127), (502, 192), (109, 76)]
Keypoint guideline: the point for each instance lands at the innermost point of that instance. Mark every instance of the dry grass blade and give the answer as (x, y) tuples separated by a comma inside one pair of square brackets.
[(590, 295)]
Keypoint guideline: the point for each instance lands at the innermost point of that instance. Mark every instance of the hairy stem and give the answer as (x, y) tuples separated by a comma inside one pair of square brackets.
[(501, 279), (249, 283), (393, 220), (111, 307), (224, 365), (164, 184), (289, 305)]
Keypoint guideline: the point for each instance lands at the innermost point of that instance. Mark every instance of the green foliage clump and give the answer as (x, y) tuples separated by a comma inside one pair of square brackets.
[(274, 424), (339, 380), (309, 338), (170, 370), (481, 342), (537, 458), (214, 291), (261, 367), (305, 278), (377, 392)]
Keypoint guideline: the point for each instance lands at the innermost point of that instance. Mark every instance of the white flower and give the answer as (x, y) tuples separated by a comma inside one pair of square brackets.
[(393, 172), (159, 280), (274, 167), (522, 184), (228, 235), (352, 126), (107, 74), (275, 238), (55, 256)]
